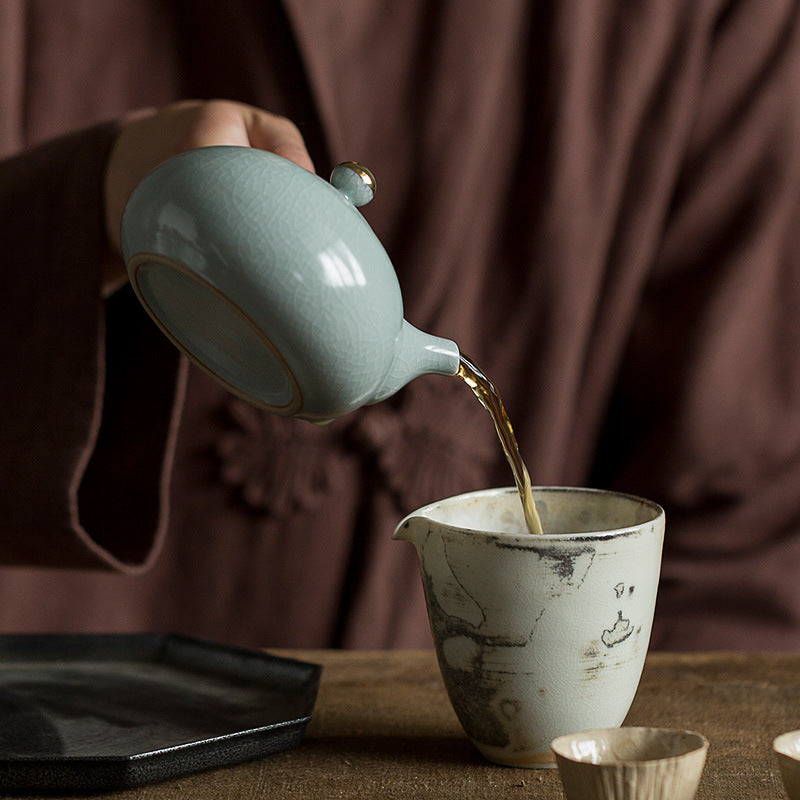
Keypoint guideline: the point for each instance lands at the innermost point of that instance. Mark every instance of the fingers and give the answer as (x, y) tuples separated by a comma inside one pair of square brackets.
[(148, 138), (219, 122), (216, 122), (278, 135)]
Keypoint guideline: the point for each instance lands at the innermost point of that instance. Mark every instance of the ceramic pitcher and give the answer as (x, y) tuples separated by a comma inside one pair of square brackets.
[(538, 635)]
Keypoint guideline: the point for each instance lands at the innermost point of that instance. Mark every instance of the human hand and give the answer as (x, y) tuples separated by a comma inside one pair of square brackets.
[(150, 137)]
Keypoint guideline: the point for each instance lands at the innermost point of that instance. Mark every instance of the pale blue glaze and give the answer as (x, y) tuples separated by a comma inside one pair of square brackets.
[(272, 281)]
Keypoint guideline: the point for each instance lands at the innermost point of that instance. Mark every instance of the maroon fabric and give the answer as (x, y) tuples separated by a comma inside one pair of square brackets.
[(598, 202)]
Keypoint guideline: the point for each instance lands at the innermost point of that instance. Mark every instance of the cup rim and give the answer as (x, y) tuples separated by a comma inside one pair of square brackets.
[(528, 539), (780, 741), (557, 746)]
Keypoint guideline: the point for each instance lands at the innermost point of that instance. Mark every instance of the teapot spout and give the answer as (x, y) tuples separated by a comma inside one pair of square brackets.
[(418, 354)]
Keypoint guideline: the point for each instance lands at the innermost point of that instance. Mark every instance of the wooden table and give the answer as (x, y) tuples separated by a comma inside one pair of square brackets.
[(383, 728)]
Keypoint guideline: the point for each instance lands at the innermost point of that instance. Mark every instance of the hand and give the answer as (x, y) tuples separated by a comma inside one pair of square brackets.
[(149, 137)]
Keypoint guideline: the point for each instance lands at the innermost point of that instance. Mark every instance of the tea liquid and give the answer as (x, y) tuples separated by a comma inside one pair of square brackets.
[(490, 400)]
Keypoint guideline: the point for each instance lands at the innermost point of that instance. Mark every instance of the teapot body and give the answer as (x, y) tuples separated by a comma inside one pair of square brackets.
[(271, 281)]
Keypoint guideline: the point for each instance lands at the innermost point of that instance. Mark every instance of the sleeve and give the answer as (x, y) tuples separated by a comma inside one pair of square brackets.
[(89, 391)]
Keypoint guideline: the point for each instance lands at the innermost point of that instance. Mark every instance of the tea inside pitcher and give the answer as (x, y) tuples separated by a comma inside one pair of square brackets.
[(490, 400)]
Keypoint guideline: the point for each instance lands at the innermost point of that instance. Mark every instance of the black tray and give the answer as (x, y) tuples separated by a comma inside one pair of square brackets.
[(88, 712)]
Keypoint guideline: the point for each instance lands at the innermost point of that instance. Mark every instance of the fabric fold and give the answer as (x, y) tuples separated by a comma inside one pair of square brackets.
[(54, 349)]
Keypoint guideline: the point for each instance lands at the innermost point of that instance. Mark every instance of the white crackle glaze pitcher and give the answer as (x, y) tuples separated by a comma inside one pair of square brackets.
[(538, 635)]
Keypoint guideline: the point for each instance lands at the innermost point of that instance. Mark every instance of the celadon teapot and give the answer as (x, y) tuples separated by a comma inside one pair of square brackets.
[(270, 280)]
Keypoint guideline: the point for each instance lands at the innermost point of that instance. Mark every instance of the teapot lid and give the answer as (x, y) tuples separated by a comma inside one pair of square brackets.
[(214, 332)]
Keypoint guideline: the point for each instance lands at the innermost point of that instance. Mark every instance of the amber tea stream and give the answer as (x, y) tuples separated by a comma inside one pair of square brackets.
[(490, 400)]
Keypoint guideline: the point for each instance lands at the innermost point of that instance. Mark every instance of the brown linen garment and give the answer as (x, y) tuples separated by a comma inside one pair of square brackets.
[(597, 201)]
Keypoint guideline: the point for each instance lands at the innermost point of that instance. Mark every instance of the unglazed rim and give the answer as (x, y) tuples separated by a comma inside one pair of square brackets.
[(557, 746)]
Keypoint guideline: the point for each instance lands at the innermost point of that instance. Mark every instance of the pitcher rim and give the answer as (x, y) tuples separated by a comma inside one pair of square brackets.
[(658, 514)]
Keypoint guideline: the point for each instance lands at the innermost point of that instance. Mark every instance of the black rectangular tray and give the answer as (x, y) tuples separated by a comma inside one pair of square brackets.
[(100, 712)]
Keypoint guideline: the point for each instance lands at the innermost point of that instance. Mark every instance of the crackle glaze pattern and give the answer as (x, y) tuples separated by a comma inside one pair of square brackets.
[(538, 636), (272, 281)]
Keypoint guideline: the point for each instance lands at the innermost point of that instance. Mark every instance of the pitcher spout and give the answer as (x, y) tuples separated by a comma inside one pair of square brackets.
[(418, 353), (412, 529)]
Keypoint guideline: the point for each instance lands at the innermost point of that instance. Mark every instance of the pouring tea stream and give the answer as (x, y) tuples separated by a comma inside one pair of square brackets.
[(269, 279)]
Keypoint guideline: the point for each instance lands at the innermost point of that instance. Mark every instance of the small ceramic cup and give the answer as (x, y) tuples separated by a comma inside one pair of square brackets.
[(538, 635), (631, 764), (787, 750)]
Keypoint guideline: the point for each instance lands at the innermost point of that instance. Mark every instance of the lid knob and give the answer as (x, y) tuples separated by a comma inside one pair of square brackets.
[(354, 181)]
